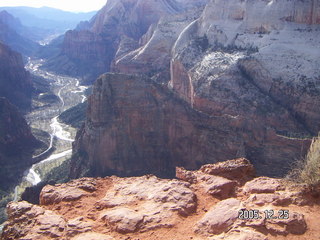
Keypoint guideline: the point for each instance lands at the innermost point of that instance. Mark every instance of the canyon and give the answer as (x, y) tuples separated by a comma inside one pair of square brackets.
[(178, 87), (252, 80), (29, 98), (17, 142), (15, 35), (89, 50)]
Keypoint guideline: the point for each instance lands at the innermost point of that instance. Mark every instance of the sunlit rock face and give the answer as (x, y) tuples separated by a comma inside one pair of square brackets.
[(255, 78), (90, 51), (153, 53), (15, 83), (211, 203), (271, 45), (16, 144), (259, 62)]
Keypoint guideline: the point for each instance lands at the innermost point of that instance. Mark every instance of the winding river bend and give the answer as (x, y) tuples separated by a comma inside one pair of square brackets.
[(45, 118)]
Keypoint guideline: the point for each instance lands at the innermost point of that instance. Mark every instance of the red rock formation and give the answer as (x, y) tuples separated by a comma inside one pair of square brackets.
[(151, 208), (235, 63), (134, 127)]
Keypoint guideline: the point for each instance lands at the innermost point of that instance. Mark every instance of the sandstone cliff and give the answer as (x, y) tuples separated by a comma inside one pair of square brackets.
[(257, 61), (135, 126), (209, 204), (15, 83), (276, 53), (243, 75), (89, 50)]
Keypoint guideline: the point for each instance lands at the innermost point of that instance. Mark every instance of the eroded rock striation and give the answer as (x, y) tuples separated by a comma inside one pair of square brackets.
[(248, 86), (135, 126), (261, 64), (89, 50), (256, 69), (148, 207)]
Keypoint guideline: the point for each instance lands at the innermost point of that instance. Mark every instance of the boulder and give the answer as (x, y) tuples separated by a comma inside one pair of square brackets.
[(218, 186), (219, 218), (295, 224), (237, 169), (263, 185), (67, 192), (122, 220), (185, 175), (277, 225), (28, 221)]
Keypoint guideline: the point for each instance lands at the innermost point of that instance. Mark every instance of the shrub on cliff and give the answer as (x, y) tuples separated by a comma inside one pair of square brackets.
[(307, 170)]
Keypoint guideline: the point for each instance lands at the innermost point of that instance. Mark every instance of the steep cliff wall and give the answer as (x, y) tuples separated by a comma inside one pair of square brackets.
[(256, 80), (15, 83), (135, 127), (153, 54), (272, 45), (16, 144)]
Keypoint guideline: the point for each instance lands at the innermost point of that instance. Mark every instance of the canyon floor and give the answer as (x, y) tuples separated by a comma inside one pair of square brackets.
[(213, 203)]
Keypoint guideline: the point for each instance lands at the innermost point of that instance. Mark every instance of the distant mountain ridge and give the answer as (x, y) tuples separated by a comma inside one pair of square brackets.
[(15, 35), (48, 18)]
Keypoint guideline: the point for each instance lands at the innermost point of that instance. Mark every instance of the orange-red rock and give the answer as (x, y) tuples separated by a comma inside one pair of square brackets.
[(263, 185), (151, 208), (220, 218)]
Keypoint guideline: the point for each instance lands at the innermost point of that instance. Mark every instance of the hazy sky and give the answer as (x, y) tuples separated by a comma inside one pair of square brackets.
[(68, 5)]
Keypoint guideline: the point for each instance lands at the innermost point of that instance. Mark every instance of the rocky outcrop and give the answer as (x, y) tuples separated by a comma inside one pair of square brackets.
[(148, 207), (15, 83), (135, 126), (16, 144), (153, 54)]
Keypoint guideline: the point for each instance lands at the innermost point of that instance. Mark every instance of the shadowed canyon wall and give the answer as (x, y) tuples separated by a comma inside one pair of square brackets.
[(15, 83)]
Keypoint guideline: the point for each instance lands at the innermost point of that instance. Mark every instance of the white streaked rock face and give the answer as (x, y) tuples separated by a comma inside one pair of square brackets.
[(253, 60)]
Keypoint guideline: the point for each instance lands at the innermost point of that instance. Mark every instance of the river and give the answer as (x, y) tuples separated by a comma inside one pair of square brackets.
[(69, 93)]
